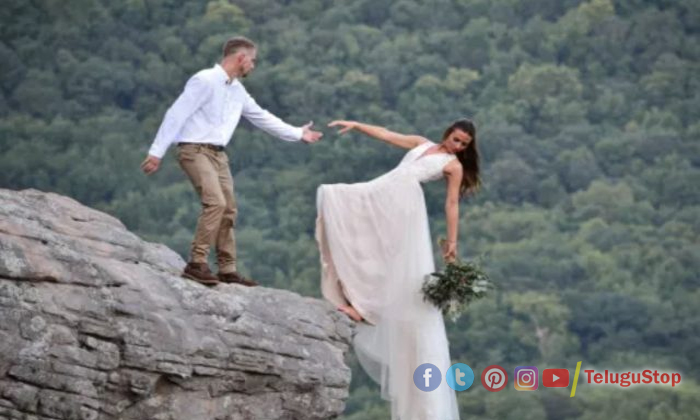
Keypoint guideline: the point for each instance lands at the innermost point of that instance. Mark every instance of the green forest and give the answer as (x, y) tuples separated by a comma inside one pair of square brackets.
[(588, 122)]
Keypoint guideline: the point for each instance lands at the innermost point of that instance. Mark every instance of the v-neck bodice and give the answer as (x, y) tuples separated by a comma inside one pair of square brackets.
[(425, 167)]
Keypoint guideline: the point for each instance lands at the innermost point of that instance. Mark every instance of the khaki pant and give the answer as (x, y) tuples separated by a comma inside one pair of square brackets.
[(209, 172)]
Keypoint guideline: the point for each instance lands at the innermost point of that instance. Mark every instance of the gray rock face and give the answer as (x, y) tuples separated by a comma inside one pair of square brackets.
[(97, 324)]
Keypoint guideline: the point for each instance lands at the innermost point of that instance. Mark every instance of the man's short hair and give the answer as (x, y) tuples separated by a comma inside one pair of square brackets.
[(236, 44)]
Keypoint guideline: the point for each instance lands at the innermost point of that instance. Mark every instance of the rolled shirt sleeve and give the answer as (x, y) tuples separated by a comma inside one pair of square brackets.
[(196, 92)]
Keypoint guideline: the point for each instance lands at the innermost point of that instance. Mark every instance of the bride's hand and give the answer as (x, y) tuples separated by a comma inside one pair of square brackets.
[(449, 251), (345, 126)]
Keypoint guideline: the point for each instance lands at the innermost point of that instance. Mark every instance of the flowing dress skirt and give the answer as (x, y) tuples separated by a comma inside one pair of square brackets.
[(376, 251)]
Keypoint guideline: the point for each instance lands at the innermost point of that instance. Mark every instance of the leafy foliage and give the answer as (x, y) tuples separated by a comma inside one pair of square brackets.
[(453, 289)]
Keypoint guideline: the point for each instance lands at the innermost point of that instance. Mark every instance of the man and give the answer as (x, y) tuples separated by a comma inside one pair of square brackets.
[(201, 122)]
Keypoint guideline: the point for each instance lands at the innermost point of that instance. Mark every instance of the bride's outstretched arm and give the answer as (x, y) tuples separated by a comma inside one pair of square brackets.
[(401, 140), (453, 173)]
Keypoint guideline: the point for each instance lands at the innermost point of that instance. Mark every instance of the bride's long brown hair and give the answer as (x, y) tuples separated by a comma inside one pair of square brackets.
[(469, 157)]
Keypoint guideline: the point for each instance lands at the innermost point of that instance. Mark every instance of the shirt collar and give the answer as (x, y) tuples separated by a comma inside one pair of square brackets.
[(223, 75)]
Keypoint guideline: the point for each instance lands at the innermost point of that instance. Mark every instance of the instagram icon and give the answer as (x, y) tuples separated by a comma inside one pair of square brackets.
[(526, 378)]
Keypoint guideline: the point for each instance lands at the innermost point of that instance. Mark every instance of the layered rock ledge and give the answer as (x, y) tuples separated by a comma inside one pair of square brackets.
[(96, 323)]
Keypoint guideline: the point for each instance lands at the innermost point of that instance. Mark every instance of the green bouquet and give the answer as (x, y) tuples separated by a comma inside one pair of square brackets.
[(454, 288)]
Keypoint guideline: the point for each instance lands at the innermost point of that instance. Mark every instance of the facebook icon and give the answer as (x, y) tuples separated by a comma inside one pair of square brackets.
[(427, 377)]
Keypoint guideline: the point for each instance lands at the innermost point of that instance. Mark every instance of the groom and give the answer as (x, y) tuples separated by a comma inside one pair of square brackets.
[(201, 123)]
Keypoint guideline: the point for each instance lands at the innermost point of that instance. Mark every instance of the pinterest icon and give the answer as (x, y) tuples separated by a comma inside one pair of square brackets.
[(494, 378)]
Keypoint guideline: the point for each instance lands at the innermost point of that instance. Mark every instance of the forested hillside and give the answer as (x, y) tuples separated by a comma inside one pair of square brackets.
[(588, 119)]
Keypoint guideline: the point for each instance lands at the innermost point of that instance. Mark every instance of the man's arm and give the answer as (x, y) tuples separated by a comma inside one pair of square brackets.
[(269, 123), (192, 97), (196, 92)]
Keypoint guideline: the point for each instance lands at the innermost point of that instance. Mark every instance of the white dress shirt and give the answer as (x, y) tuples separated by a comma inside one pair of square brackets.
[(208, 111)]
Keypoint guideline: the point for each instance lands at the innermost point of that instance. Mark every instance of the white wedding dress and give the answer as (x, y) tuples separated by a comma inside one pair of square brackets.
[(376, 251)]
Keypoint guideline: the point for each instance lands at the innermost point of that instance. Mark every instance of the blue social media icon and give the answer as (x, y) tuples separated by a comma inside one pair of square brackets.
[(427, 377), (460, 377)]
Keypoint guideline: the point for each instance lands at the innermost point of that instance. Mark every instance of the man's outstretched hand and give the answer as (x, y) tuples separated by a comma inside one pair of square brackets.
[(150, 165), (309, 135)]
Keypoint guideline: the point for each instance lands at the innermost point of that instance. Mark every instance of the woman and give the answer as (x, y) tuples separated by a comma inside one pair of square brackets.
[(376, 251)]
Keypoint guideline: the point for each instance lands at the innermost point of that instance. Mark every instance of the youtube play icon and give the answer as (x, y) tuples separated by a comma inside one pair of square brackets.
[(555, 378)]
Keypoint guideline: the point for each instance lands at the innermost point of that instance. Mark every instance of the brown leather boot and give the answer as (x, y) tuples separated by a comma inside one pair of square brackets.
[(200, 272), (236, 279)]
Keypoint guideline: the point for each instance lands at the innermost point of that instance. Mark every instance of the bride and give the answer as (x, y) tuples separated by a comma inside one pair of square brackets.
[(376, 251)]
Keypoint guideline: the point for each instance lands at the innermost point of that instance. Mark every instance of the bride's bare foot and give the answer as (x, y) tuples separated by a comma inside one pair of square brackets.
[(351, 312)]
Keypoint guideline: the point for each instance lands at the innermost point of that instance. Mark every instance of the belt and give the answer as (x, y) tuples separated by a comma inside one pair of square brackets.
[(207, 145)]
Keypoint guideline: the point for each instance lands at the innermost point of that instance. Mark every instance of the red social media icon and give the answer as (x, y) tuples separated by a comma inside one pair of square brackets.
[(494, 378), (555, 378)]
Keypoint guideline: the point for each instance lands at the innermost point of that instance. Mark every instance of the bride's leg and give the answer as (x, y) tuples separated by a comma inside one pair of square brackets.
[(331, 285), (351, 312)]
